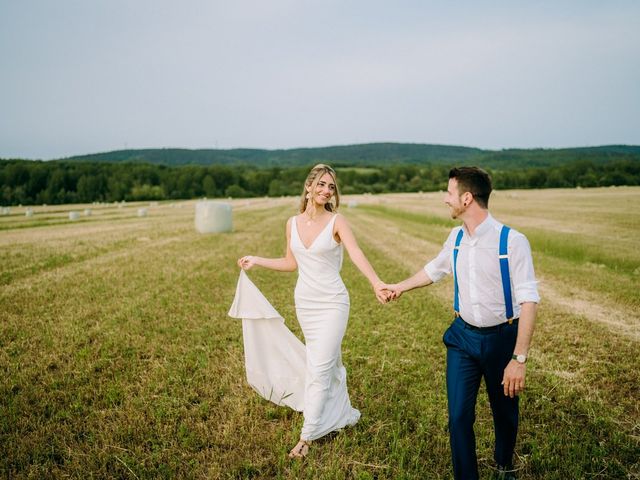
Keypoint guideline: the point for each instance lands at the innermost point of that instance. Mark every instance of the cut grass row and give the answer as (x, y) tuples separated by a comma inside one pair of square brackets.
[(126, 364)]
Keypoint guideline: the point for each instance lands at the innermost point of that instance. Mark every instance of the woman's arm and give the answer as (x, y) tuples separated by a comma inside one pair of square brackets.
[(348, 239), (285, 264)]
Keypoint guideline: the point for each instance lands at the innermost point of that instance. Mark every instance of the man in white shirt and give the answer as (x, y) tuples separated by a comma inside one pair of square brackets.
[(495, 301)]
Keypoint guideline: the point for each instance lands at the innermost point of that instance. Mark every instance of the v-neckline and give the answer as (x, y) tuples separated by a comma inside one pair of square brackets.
[(314, 240)]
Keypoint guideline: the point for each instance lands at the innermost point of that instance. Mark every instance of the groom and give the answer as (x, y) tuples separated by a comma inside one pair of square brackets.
[(495, 301)]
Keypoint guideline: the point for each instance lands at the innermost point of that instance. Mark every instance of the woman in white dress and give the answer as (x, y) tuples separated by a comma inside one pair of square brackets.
[(315, 240)]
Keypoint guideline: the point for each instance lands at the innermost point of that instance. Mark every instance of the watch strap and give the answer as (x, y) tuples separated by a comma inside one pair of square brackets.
[(515, 357)]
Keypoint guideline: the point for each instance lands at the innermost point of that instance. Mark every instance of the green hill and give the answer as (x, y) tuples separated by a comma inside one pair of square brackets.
[(366, 154), (370, 154)]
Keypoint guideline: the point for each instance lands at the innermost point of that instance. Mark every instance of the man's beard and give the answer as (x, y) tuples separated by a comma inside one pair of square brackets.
[(457, 211)]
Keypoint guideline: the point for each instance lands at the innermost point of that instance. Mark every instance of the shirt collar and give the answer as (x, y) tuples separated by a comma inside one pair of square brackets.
[(486, 225)]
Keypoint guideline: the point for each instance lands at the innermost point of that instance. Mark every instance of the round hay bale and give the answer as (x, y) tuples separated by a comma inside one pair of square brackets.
[(87, 212), (142, 212), (213, 217), (28, 212), (73, 215), (6, 210)]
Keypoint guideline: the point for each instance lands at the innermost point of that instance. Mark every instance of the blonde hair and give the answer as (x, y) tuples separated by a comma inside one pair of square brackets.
[(312, 180)]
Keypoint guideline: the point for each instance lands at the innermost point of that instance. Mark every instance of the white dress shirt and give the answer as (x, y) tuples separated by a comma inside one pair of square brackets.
[(481, 298)]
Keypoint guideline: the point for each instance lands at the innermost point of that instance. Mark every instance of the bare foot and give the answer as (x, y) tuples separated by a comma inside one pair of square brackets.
[(300, 450)]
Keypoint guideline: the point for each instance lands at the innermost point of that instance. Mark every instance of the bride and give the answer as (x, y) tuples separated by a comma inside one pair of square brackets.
[(315, 240)]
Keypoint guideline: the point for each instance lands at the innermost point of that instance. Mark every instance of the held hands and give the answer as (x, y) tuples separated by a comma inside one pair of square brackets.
[(382, 294), (394, 291), (247, 262), (386, 292)]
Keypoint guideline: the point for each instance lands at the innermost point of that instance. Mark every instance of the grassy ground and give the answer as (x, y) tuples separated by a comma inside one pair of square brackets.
[(117, 358)]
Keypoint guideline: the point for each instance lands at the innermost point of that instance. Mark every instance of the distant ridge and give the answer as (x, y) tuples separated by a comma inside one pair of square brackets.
[(369, 154)]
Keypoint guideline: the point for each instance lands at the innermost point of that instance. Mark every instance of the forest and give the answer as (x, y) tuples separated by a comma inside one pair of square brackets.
[(28, 182)]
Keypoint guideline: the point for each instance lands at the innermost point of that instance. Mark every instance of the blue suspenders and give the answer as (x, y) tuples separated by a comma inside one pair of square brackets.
[(456, 305), (504, 272)]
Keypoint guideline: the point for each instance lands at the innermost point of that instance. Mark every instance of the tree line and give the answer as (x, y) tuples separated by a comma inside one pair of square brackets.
[(36, 182)]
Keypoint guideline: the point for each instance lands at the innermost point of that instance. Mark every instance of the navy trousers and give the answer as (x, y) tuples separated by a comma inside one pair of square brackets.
[(471, 355)]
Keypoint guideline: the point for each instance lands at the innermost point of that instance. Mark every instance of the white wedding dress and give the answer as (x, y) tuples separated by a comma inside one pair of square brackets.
[(310, 378)]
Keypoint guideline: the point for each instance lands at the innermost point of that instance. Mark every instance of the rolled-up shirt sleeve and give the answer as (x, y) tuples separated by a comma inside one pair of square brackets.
[(440, 266), (523, 277)]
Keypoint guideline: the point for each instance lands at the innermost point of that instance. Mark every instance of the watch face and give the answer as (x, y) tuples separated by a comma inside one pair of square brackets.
[(521, 358)]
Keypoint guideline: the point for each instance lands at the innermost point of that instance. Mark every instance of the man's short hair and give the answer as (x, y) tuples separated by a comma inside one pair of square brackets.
[(475, 181)]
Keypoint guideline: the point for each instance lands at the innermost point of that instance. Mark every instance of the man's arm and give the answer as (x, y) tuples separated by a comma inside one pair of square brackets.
[(514, 374), (526, 294), (433, 271), (420, 279)]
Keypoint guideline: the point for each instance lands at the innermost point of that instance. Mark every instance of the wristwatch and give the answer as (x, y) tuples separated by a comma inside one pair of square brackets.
[(519, 358)]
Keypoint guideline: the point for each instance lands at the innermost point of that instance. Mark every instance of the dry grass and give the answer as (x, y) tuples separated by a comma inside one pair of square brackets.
[(118, 359)]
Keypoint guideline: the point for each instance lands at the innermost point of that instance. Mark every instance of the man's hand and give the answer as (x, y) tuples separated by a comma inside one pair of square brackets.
[(513, 379), (382, 292), (394, 291)]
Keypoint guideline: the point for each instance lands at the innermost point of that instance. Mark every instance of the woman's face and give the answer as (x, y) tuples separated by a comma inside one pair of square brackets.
[(325, 189)]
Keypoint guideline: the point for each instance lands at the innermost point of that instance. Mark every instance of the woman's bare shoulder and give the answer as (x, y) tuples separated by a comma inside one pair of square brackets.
[(340, 218)]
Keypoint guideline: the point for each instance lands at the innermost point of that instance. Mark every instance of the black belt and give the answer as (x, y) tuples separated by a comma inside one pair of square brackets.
[(492, 328)]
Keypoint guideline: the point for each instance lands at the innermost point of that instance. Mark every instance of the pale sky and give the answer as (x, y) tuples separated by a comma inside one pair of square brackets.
[(84, 76)]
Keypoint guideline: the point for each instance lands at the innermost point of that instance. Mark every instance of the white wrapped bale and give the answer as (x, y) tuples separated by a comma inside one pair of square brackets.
[(6, 210), (87, 212), (73, 215), (28, 213), (213, 217), (142, 212)]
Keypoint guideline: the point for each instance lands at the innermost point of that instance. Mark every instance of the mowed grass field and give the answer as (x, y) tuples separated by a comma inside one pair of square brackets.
[(118, 360)]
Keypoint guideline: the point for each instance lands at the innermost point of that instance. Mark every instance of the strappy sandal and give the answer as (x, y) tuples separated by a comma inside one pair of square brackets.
[(301, 450)]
